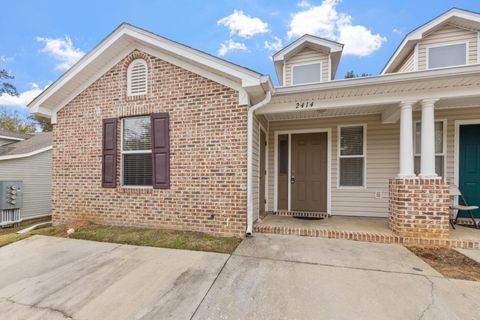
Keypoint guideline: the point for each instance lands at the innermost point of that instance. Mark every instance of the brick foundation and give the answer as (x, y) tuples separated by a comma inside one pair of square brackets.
[(418, 208)]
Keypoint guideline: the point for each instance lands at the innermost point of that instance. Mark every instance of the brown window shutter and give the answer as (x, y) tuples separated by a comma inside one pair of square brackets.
[(160, 151), (109, 153)]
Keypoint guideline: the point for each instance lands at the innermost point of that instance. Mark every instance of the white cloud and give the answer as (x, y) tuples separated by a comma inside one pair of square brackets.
[(229, 46), (397, 31), (5, 59), (325, 21), (242, 25), (63, 50), (23, 98), (274, 45)]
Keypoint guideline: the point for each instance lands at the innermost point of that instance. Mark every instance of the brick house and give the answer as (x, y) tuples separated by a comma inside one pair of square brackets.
[(149, 132)]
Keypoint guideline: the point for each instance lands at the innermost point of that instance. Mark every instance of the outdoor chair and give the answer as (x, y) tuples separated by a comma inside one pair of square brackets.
[(460, 205)]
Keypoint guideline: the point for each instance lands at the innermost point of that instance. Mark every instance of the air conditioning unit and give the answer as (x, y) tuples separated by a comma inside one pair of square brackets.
[(11, 201)]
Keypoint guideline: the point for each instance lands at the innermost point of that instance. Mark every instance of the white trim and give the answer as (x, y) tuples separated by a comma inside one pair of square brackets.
[(129, 78), (275, 174), (364, 156), (446, 44), (329, 44), (11, 138), (313, 62), (415, 58), (458, 123), (444, 153), (25, 155), (262, 128), (122, 152)]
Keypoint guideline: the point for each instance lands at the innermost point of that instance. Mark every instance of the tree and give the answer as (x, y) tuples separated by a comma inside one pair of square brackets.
[(13, 121), (7, 87), (44, 123), (351, 74)]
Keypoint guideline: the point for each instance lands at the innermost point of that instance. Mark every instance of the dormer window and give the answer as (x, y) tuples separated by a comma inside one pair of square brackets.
[(137, 78), (447, 55), (306, 73)]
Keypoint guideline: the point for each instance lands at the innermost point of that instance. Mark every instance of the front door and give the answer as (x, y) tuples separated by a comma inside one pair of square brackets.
[(469, 165), (309, 172), (263, 171)]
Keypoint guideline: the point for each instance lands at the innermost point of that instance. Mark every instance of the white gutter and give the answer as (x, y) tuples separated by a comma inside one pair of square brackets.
[(25, 155), (251, 112)]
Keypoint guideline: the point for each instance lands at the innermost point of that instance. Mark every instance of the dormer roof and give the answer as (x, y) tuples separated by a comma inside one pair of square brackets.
[(308, 41), (457, 17)]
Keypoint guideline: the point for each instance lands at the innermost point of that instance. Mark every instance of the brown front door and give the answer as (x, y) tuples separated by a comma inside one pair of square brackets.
[(263, 172), (309, 172)]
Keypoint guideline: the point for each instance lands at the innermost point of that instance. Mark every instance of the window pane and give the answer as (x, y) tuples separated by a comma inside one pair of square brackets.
[(283, 156), (351, 141), (137, 169), (306, 74), (351, 172), (445, 56), (137, 134), (439, 165), (418, 138), (438, 137), (416, 164)]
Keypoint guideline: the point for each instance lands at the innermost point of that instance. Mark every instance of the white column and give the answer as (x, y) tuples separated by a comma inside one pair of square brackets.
[(406, 140), (427, 161)]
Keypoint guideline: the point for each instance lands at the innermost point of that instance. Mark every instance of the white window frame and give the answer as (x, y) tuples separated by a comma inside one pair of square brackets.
[(122, 152), (444, 153), (445, 44), (364, 156), (129, 78), (305, 64)]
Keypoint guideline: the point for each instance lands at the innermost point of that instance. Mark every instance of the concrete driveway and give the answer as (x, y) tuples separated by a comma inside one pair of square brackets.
[(268, 277)]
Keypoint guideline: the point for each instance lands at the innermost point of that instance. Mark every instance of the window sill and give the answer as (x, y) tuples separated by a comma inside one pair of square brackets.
[(137, 190)]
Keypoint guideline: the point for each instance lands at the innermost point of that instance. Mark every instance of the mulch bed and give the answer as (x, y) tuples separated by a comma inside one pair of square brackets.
[(450, 263)]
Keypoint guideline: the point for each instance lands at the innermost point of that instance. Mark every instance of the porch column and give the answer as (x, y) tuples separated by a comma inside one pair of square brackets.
[(427, 161), (406, 140)]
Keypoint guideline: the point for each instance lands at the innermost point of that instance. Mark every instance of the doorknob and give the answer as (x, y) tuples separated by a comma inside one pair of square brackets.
[(292, 180)]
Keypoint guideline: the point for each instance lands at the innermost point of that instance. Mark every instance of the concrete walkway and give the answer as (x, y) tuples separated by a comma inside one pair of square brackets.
[(268, 277)]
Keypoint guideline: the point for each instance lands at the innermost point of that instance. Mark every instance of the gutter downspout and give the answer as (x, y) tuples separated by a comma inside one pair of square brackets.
[(251, 112)]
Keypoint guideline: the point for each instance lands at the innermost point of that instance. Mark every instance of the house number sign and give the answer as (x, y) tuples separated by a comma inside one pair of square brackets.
[(303, 105)]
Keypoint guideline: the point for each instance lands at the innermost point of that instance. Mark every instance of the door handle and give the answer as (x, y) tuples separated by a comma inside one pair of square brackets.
[(292, 180)]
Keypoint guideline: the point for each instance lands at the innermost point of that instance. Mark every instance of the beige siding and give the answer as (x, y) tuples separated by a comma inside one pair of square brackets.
[(305, 56), (36, 174), (445, 35), (408, 64), (256, 165), (382, 158)]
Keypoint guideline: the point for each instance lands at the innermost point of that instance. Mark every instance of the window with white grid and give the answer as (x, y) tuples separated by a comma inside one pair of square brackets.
[(351, 153)]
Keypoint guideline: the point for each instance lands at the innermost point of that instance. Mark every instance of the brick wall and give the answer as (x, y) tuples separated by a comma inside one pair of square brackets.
[(419, 208), (208, 154)]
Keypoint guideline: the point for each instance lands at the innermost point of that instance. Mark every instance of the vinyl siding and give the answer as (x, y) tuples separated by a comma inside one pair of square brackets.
[(5, 141), (443, 36), (36, 174), (256, 167), (305, 56), (408, 64), (382, 158)]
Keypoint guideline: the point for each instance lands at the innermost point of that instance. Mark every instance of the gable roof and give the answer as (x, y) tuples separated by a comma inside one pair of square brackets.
[(34, 144), (125, 39), (458, 17), (14, 135), (307, 40)]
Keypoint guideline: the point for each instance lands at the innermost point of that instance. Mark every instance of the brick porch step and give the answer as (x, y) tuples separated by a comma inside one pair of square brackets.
[(365, 236)]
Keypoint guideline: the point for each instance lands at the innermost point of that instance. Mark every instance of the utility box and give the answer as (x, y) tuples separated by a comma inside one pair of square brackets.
[(11, 195)]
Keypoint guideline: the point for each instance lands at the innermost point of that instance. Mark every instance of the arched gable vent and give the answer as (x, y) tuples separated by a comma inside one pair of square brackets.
[(137, 75)]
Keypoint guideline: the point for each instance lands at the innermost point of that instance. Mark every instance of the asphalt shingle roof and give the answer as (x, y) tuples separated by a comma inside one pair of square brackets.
[(35, 142)]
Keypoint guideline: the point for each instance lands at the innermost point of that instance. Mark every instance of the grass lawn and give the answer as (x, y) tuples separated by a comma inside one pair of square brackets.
[(136, 236)]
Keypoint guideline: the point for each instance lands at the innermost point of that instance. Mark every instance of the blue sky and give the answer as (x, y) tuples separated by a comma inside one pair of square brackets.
[(40, 39)]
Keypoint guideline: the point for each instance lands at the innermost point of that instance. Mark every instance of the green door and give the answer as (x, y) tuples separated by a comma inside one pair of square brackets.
[(469, 178)]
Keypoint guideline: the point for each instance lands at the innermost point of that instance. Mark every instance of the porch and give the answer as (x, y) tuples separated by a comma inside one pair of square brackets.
[(359, 229), (364, 147)]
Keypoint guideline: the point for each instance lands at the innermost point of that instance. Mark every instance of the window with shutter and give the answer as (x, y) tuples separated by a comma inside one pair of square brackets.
[(137, 75), (351, 153), (136, 151)]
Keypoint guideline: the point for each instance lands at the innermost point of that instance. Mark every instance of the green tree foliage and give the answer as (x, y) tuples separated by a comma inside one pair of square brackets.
[(5, 86), (13, 121), (351, 74)]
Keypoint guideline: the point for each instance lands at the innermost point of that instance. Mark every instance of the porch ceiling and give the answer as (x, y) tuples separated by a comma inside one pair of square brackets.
[(324, 113)]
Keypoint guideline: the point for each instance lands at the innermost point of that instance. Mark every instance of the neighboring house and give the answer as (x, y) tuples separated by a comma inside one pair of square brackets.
[(150, 132), (7, 137), (29, 159)]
